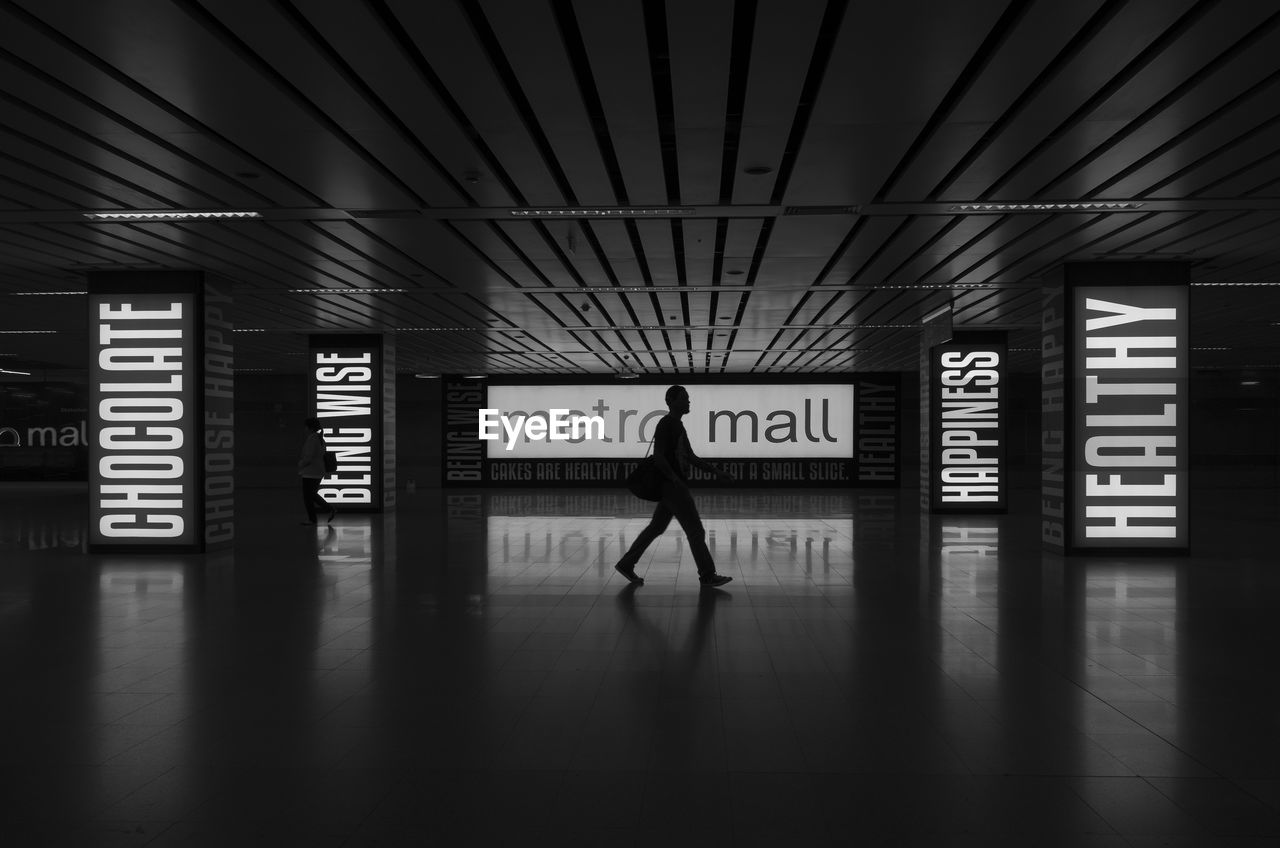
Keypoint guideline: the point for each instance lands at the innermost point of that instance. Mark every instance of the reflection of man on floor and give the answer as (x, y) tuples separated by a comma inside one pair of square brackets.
[(673, 455)]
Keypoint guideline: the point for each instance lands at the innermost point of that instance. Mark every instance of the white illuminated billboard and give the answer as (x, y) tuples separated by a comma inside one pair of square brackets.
[(144, 482), (1130, 416), (345, 390), (771, 421)]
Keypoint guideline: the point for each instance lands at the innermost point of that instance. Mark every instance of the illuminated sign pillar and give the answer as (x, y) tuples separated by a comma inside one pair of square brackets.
[(161, 414), (1114, 408), (966, 423), (351, 388)]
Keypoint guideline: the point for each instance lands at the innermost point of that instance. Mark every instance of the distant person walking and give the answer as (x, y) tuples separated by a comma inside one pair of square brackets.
[(311, 468), (672, 454)]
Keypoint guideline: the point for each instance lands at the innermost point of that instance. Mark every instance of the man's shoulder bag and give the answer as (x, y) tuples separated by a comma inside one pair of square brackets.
[(330, 459), (645, 482)]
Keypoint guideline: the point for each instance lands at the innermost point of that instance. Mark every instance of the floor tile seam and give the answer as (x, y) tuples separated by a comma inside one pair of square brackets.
[(1172, 744), (107, 805), (1128, 837), (1226, 781), (1261, 800)]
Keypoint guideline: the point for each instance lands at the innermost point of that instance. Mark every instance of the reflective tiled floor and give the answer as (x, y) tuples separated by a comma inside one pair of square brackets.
[(470, 671)]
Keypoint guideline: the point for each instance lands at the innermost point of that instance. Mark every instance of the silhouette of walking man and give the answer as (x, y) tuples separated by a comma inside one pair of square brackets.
[(672, 454), (311, 469)]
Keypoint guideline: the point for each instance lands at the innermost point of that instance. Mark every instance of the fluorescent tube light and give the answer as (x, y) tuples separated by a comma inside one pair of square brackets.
[(610, 212), (166, 215), (345, 291), (1082, 206)]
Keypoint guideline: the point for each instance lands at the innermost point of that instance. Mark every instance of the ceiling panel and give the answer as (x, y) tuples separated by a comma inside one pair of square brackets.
[(403, 146)]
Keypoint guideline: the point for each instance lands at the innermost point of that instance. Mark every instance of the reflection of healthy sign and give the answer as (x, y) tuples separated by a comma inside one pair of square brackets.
[(738, 421)]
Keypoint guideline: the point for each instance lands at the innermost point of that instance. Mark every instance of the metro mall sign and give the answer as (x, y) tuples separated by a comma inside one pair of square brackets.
[(840, 432)]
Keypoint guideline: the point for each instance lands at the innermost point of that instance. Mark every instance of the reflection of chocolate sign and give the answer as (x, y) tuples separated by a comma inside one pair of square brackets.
[(9, 438)]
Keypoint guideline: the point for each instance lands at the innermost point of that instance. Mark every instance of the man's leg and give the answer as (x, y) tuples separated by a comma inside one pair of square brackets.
[(686, 512), (310, 491), (657, 524)]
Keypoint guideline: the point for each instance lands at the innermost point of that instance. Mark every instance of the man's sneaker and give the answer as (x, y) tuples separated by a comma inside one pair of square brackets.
[(629, 572), (715, 580)]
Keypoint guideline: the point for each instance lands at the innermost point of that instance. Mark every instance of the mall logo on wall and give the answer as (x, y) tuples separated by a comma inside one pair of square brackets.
[(556, 424)]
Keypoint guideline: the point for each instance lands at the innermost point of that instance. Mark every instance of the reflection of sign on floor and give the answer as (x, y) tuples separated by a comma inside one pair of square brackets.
[(9, 438), (964, 540)]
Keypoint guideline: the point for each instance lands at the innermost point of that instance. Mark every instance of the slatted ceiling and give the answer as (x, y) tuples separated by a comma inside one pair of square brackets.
[(1249, 176), (613, 40), (547, 79), (699, 38), (27, 121), (1235, 240), (403, 116), (783, 40), (1247, 169), (439, 37)]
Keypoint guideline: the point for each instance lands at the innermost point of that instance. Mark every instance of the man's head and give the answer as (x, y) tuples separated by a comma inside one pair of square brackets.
[(678, 400), (312, 424)]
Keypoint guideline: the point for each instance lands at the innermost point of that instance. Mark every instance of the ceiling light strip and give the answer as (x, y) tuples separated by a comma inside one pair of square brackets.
[(361, 329), (746, 290), (346, 291), (45, 293), (603, 212), (167, 215), (1082, 206)]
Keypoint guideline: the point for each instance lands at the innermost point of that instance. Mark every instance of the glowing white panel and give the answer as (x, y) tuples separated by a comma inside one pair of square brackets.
[(771, 421)]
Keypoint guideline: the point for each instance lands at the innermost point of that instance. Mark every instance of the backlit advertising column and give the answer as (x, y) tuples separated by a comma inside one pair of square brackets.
[(349, 390), (1114, 408), (161, 416), (967, 423)]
